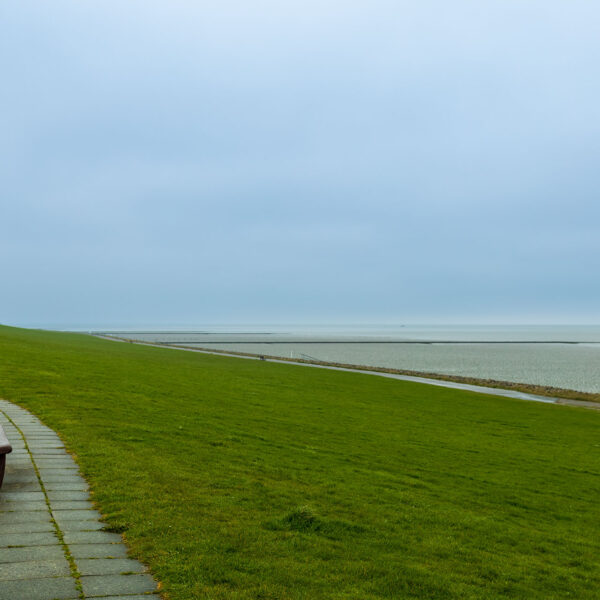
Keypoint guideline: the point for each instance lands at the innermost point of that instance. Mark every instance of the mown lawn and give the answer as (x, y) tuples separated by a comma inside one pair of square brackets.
[(238, 479)]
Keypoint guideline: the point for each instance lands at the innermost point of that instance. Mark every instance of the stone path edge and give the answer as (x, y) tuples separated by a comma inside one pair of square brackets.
[(52, 544), (57, 529)]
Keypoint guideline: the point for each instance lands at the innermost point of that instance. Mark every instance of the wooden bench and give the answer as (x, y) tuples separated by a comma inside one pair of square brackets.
[(5, 448)]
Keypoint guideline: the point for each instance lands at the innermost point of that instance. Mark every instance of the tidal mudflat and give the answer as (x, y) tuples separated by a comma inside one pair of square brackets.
[(550, 356)]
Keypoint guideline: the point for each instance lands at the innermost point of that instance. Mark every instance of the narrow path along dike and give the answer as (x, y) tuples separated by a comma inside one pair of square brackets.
[(469, 387), (52, 546)]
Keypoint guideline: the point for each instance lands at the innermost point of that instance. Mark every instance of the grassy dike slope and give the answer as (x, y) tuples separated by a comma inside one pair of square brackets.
[(242, 479)]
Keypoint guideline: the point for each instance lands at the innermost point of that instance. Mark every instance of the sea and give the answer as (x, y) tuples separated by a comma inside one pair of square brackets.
[(561, 356)]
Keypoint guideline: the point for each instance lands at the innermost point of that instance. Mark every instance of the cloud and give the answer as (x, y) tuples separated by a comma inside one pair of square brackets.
[(242, 160)]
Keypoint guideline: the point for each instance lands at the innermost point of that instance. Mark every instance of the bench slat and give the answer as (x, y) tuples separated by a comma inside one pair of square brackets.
[(5, 446)]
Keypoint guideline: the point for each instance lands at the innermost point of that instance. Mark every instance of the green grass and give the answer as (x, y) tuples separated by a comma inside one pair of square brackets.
[(238, 479)]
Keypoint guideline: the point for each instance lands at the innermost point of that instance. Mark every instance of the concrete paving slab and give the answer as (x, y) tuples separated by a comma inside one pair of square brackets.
[(56, 588), (14, 469), (70, 466), (16, 463), (80, 526), (72, 505), (54, 464), (47, 454), (68, 495), (134, 597), (29, 553), (57, 487), (59, 478), (23, 506), (33, 426), (67, 470), (91, 537), (32, 486), (44, 443), (8, 540), (31, 516), (22, 477), (79, 551), (76, 515), (108, 566), (22, 496), (35, 569), (25, 527), (103, 585)]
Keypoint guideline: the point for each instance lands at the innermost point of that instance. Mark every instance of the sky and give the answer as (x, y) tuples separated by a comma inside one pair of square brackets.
[(185, 163)]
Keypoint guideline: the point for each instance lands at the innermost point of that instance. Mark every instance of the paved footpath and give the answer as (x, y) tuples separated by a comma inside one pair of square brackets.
[(52, 546)]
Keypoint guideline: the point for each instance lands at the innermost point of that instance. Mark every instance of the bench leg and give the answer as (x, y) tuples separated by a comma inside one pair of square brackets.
[(2, 465)]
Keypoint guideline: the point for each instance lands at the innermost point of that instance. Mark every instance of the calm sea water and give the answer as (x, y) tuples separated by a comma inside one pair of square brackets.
[(559, 356)]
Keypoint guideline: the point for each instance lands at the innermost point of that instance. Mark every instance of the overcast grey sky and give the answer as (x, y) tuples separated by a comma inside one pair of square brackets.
[(184, 162)]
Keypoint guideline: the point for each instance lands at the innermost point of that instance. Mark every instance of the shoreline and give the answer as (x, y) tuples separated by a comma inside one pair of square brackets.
[(521, 391)]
